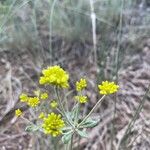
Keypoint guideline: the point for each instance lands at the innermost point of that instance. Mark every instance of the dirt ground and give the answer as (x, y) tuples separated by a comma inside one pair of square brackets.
[(18, 73)]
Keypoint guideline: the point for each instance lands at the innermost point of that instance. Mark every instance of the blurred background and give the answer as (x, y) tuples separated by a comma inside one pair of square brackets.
[(98, 39)]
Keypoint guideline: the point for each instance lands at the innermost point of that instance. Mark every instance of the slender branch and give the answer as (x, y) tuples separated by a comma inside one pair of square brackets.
[(50, 28), (117, 66), (137, 112), (62, 107), (93, 18), (100, 100), (71, 143)]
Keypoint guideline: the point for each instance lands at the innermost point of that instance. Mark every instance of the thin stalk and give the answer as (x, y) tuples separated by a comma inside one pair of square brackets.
[(55, 143), (77, 114), (50, 28), (100, 100), (65, 99), (62, 107), (71, 143), (93, 19), (28, 121), (66, 146), (137, 112), (78, 146), (59, 111), (116, 73)]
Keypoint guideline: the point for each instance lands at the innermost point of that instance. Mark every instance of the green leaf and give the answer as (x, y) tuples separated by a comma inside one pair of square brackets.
[(67, 128), (32, 128), (74, 112), (90, 123), (66, 137), (82, 133)]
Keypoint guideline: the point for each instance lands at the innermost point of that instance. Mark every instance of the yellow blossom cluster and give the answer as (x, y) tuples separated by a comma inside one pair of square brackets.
[(52, 124), (55, 75), (80, 85), (81, 99), (107, 88), (53, 104), (33, 101), (18, 112), (41, 115), (23, 97), (44, 96)]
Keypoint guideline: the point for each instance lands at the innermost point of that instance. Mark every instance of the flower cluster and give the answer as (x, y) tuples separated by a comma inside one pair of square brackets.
[(33, 101), (18, 112), (53, 104), (55, 76), (81, 99), (41, 115), (53, 124), (44, 96), (80, 85), (107, 88), (23, 97)]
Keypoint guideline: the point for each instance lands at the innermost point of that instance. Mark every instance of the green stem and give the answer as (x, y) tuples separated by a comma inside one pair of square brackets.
[(28, 121), (50, 29), (77, 114), (100, 100), (62, 107), (78, 146), (116, 72), (71, 143)]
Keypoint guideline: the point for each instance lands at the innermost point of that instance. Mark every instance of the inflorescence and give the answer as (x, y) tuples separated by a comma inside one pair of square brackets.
[(53, 123)]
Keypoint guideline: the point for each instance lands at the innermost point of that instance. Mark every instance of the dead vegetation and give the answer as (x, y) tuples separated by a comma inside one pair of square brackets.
[(21, 61)]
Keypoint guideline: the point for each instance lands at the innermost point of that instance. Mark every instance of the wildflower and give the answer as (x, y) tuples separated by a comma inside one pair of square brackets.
[(18, 112), (53, 124), (81, 99), (44, 96), (53, 104), (107, 88), (23, 97), (55, 75), (41, 115), (80, 85), (33, 101)]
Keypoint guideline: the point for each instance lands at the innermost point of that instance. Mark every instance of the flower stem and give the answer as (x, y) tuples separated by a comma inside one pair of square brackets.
[(100, 100), (62, 107), (71, 143)]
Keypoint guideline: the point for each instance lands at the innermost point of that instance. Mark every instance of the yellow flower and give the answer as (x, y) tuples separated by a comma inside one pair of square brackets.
[(81, 99), (18, 112), (55, 75), (23, 97), (80, 85), (44, 96), (33, 101), (53, 104), (41, 115), (107, 88), (53, 124)]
